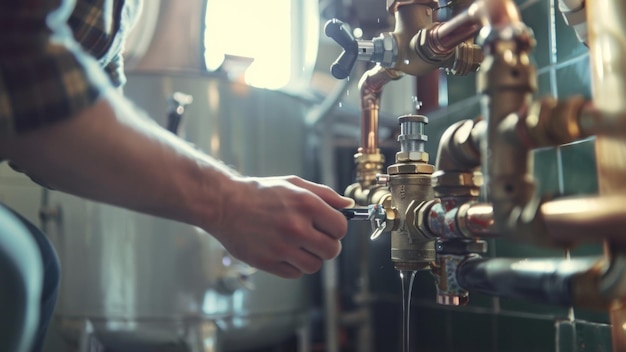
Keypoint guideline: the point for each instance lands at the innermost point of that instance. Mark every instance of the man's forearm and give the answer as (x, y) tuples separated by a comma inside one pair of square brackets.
[(110, 152)]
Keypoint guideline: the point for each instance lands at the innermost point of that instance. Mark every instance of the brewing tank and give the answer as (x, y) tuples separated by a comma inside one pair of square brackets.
[(141, 282)]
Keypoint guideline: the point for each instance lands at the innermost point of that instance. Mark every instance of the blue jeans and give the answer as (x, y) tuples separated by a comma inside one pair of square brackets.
[(51, 274)]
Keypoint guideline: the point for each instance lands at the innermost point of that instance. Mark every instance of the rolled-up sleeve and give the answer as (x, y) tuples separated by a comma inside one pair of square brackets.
[(45, 76)]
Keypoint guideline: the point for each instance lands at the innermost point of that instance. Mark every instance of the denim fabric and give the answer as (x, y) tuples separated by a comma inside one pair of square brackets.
[(51, 278)]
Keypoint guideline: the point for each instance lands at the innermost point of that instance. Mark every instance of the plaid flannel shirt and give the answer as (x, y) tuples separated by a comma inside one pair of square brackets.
[(57, 56)]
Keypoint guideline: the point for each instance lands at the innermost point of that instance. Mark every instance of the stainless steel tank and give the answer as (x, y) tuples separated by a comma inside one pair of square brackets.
[(135, 282)]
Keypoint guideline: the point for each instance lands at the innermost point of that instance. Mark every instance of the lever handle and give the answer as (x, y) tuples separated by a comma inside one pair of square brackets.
[(355, 213), (336, 30), (375, 213)]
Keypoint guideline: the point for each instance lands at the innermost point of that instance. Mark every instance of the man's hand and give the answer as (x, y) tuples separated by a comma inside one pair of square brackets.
[(111, 153), (284, 225)]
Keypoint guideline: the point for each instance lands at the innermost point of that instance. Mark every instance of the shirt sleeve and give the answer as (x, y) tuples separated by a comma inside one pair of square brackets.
[(45, 76)]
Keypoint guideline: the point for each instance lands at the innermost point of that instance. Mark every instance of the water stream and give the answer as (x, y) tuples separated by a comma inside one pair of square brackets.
[(407, 278)]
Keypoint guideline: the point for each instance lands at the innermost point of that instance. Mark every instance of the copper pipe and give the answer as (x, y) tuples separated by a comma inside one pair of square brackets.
[(607, 52), (498, 13), (476, 220), (427, 91), (593, 121), (371, 89), (607, 24), (590, 218), (445, 36)]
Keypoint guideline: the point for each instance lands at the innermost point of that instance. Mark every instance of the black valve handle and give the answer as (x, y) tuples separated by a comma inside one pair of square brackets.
[(341, 68), (355, 213)]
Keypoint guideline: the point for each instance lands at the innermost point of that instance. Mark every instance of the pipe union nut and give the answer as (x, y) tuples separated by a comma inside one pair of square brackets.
[(410, 168), (412, 220), (361, 158), (412, 156), (420, 214)]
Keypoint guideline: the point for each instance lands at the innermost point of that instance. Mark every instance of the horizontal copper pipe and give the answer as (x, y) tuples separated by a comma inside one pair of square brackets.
[(590, 218), (477, 219), (592, 121)]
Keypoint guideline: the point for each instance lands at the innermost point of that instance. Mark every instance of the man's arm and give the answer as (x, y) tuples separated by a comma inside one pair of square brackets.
[(109, 152), (63, 123)]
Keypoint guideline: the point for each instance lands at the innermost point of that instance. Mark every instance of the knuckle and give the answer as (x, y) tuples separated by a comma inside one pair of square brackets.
[(294, 228), (312, 266)]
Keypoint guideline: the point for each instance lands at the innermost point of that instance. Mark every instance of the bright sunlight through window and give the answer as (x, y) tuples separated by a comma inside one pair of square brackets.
[(266, 40)]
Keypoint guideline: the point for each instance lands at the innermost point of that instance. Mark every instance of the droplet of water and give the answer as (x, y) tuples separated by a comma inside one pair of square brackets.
[(340, 104), (406, 61), (417, 102)]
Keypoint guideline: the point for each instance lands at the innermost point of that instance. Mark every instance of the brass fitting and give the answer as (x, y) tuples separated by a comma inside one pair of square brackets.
[(410, 168), (368, 166), (392, 217), (466, 59), (410, 184), (420, 216), (457, 183), (550, 122), (366, 196), (409, 156), (412, 19)]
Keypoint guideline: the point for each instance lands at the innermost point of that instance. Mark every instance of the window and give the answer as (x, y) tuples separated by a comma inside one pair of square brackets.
[(270, 44)]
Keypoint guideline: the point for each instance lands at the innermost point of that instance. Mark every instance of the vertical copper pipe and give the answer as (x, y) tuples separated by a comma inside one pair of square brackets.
[(445, 36), (371, 89), (427, 88), (427, 91), (498, 13), (607, 23)]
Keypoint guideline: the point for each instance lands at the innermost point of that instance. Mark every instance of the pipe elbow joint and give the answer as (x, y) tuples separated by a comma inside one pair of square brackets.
[(458, 147)]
